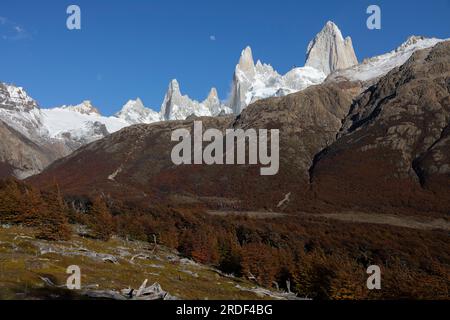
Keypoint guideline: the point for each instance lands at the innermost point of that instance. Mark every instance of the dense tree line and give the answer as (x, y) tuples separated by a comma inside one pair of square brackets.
[(22, 204)]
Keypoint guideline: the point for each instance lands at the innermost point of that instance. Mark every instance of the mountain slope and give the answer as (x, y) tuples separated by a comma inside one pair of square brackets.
[(21, 112), (19, 156), (78, 125), (138, 157), (367, 151), (394, 140), (64, 129), (373, 68)]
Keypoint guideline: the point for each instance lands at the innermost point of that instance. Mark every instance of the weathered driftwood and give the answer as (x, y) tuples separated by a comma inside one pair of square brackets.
[(105, 294), (153, 292), (145, 256), (19, 236), (251, 277), (155, 244), (48, 282), (111, 259), (141, 288), (271, 294), (140, 256), (189, 272), (80, 251)]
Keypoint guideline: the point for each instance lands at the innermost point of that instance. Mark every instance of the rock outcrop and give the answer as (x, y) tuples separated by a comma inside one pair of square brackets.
[(85, 107), (329, 51), (243, 76), (135, 112), (179, 107), (19, 156), (253, 82), (212, 102), (20, 111), (393, 145)]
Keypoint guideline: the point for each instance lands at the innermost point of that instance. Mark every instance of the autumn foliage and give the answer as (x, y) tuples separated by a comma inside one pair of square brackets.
[(22, 204), (101, 220), (309, 255)]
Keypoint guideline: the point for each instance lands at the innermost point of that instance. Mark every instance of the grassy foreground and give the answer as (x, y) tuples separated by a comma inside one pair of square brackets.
[(36, 269)]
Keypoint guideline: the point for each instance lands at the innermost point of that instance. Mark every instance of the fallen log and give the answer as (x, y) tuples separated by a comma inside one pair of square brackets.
[(153, 292)]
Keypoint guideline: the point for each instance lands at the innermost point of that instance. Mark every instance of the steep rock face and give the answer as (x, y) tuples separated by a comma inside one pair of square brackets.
[(242, 78), (212, 102), (21, 112), (433, 168), (255, 82), (175, 105), (19, 156), (393, 142), (178, 107), (25, 147), (329, 51)]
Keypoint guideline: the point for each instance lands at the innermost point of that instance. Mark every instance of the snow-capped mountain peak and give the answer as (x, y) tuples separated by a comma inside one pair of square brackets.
[(85, 107), (174, 86), (20, 111), (213, 94), (329, 51), (254, 82), (174, 101), (414, 43), (375, 67), (177, 106), (246, 63), (132, 105), (19, 96), (69, 127), (135, 112), (326, 53), (212, 102)]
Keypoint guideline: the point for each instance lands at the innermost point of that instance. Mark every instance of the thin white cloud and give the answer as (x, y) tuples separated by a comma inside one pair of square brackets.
[(212, 37), (10, 30)]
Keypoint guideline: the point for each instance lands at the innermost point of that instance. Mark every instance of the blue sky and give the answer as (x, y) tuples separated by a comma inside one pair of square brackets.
[(133, 48)]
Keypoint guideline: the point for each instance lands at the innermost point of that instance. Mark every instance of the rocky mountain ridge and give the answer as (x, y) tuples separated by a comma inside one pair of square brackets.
[(64, 129), (384, 149)]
